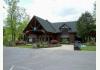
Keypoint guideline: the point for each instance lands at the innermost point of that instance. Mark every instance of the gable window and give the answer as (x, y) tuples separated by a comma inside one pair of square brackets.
[(34, 28), (64, 28)]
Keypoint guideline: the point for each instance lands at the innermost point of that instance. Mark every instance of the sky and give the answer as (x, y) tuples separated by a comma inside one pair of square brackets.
[(57, 10)]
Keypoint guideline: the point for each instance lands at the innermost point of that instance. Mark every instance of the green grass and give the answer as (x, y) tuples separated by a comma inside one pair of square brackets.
[(89, 48), (39, 46), (25, 46)]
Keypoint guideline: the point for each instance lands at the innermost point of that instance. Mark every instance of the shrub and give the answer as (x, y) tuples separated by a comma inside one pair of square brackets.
[(42, 45), (7, 43), (64, 41), (54, 41), (91, 43), (20, 42)]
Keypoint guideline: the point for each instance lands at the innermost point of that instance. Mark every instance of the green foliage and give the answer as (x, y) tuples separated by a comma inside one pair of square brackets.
[(25, 46), (20, 28), (42, 45), (14, 23), (91, 43), (85, 25), (64, 41), (88, 48), (11, 20), (6, 36)]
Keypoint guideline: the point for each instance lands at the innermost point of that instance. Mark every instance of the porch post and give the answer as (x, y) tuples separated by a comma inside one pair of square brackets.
[(45, 36), (48, 38), (25, 38)]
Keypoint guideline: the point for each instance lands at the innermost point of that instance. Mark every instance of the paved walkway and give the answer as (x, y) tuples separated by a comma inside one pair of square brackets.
[(46, 59), (63, 47)]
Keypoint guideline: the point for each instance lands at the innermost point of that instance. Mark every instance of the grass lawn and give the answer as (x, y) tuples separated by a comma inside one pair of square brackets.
[(30, 46), (89, 48), (25, 46)]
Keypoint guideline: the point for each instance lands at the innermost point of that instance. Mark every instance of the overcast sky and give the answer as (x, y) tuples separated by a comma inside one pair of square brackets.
[(57, 10)]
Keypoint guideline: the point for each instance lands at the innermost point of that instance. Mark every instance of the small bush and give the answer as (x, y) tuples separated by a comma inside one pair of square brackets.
[(54, 41), (21, 42), (64, 41), (42, 45), (91, 43)]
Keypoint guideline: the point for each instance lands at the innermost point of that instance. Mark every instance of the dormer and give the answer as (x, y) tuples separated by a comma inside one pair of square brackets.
[(64, 28)]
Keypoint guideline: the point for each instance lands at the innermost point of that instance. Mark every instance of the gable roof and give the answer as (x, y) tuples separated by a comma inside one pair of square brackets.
[(54, 27), (71, 25), (46, 25)]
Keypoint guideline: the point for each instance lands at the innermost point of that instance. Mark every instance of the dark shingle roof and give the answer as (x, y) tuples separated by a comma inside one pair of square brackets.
[(46, 25), (71, 25), (54, 27)]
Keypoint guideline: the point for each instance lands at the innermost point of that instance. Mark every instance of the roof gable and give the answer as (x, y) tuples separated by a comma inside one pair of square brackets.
[(64, 26), (54, 27), (46, 25), (71, 25)]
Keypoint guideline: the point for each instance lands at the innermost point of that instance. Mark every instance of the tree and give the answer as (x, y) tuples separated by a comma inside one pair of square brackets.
[(21, 27), (85, 25), (12, 18), (16, 16)]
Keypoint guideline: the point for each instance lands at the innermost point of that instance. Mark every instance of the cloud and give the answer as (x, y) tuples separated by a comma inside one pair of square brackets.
[(57, 10), (66, 11)]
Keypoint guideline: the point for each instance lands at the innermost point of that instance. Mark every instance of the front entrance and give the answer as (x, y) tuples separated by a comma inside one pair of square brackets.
[(34, 38)]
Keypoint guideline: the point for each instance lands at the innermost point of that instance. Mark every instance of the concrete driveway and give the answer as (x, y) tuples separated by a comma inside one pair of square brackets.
[(62, 47), (47, 59)]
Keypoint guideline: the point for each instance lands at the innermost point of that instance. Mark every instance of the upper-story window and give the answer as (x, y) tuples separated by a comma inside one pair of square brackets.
[(64, 28), (34, 29)]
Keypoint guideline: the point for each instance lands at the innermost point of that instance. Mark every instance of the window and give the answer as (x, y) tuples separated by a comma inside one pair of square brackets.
[(64, 28), (34, 29)]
